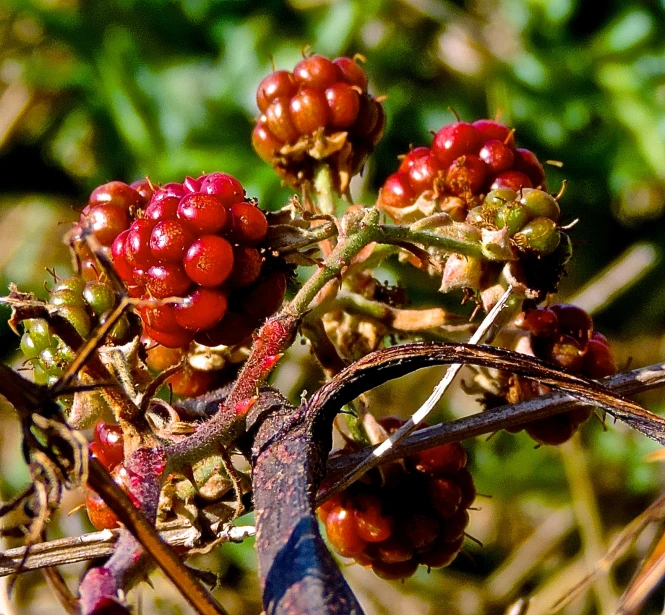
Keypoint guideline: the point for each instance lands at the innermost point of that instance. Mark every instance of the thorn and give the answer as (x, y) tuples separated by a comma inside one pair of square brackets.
[(244, 406)]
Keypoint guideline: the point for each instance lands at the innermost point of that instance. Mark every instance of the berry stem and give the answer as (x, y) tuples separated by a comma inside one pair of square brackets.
[(324, 188), (400, 235)]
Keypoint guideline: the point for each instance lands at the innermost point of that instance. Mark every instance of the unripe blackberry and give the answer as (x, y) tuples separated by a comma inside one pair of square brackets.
[(417, 515), (199, 240), (83, 305), (464, 162), (320, 112), (529, 215), (562, 334)]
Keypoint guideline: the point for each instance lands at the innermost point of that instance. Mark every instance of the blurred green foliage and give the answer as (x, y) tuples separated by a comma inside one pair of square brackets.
[(94, 90)]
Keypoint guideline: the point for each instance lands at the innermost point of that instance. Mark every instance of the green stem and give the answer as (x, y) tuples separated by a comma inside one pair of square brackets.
[(392, 234), (324, 188)]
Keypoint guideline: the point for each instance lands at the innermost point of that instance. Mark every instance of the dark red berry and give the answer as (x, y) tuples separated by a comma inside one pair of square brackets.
[(247, 263), (280, 84), (343, 105), (527, 162), (489, 129), (163, 209), (408, 160), (342, 533), (160, 318), (278, 119), (423, 172), (497, 156), (567, 352), (169, 240), (445, 495), (395, 572), (441, 554), (598, 360), (455, 140), (265, 298), (224, 186), (371, 524), (397, 191), (444, 459), (266, 145), (234, 329), (137, 243), (120, 264), (351, 72), (209, 260), (203, 213), (174, 338), (248, 224), (573, 321), (110, 439), (511, 179), (421, 530), (117, 194), (202, 309), (316, 72), (167, 280), (107, 222), (541, 322), (466, 175), (309, 110)]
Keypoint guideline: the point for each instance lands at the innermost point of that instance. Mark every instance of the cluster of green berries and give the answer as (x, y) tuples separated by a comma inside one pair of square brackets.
[(83, 305), (318, 100), (464, 161), (415, 515), (529, 215), (562, 334)]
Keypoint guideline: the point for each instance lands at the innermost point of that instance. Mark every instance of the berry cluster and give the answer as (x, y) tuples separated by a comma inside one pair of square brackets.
[(464, 161), (198, 240), (562, 334), (529, 215), (416, 516), (313, 113), (83, 305), (108, 447), (110, 210)]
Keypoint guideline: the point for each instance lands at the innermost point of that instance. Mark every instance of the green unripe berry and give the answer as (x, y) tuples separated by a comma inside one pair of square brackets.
[(540, 203), (540, 235), (100, 297), (39, 332), (78, 318), (66, 296), (28, 348), (120, 330), (39, 374), (73, 283), (512, 216), (50, 361), (499, 197)]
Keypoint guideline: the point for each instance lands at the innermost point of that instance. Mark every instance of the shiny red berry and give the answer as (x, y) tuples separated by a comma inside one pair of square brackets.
[(397, 191), (309, 110), (343, 105), (278, 119), (224, 186), (511, 179), (351, 72), (342, 533), (169, 240), (203, 213), (455, 140), (280, 84), (202, 309), (209, 260), (167, 280), (497, 156), (265, 144), (316, 72), (248, 224), (466, 175)]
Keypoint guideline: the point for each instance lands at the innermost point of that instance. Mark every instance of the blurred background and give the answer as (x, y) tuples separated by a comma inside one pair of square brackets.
[(96, 90)]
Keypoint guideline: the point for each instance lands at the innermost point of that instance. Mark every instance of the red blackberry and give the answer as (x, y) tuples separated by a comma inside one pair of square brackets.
[(319, 112), (416, 516), (198, 240), (562, 334), (464, 162)]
